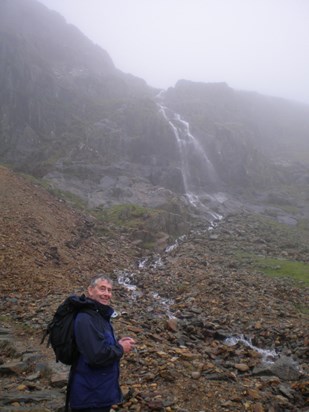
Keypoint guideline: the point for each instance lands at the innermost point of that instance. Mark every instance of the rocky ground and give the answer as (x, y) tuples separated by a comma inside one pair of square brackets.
[(213, 333)]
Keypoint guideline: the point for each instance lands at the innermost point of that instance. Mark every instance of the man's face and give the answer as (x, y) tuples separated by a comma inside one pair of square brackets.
[(101, 292)]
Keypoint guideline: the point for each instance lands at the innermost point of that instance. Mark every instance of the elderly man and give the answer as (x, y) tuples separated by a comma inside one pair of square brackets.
[(94, 385)]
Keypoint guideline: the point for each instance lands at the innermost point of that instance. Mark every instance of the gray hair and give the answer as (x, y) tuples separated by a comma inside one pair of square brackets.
[(99, 277)]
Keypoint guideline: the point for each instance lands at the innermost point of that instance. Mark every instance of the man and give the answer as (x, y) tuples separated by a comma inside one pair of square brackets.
[(94, 383)]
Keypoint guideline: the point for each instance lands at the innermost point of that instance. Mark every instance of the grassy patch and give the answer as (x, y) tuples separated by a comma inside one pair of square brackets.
[(283, 268), (126, 215)]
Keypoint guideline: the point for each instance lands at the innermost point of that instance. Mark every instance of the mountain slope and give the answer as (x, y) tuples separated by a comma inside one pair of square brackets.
[(243, 132), (44, 242), (179, 305), (69, 116), (54, 81)]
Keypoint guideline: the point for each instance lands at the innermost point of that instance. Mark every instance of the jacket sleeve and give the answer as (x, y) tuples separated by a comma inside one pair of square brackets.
[(97, 349)]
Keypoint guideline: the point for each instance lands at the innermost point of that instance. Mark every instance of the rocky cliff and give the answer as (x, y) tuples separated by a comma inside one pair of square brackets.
[(69, 116)]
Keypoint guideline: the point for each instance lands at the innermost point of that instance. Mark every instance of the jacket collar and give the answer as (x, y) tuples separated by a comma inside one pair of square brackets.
[(105, 310)]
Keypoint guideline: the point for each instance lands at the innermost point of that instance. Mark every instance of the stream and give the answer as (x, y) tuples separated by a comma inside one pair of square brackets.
[(162, 305)]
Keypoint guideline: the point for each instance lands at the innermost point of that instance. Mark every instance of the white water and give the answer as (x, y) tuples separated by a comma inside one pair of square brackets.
[(142, 263), (126, 279), (190, 139), (173, 246), (165, 304), (198, 173), (268, 356), (192, 155)]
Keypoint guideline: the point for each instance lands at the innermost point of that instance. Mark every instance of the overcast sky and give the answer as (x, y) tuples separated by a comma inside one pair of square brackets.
[(259, 45)]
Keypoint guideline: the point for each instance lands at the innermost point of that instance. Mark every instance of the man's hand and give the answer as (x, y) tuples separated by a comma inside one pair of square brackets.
[(127, 344)]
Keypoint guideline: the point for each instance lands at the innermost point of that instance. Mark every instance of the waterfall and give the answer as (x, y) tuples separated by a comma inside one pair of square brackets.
[(198, 173)]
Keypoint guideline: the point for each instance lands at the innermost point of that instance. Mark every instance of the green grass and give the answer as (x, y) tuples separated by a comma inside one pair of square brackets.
[(125, 215), (283, 268)]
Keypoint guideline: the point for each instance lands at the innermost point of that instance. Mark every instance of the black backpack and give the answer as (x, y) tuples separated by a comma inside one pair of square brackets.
[(61, 328)]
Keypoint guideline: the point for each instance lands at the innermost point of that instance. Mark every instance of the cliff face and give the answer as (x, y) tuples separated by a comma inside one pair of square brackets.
[(69, 116), (54, 83), (247, 135)]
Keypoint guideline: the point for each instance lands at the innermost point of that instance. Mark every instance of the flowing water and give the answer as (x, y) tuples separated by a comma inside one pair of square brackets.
[(200, 179), (125, 278), (268, 356), (161, 305)]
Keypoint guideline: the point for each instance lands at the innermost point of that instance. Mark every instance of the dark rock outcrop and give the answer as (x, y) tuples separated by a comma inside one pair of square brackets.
[(68, 115)]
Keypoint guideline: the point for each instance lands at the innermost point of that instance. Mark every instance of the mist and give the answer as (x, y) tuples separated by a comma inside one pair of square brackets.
[(260, 46)]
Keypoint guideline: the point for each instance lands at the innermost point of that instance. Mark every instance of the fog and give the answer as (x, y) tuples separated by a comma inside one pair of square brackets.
[(258, 45)]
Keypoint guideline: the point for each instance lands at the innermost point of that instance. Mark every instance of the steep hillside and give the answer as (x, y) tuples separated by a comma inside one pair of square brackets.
[(45, 243), (68, 115), (55, 83), (180, 305)]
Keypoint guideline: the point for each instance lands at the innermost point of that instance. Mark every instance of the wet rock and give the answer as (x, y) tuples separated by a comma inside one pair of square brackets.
[(285, 368)]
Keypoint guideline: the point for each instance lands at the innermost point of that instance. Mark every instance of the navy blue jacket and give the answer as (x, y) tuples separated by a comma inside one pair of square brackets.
[(95, 377)]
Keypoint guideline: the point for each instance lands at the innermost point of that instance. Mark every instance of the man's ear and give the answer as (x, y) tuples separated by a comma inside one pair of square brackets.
[(89, 291)]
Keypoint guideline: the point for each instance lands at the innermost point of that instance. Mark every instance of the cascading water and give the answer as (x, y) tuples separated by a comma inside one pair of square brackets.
[(268, 356), (125, 279), (159, 304), (198, 173), (162, 306), (175, 245)]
